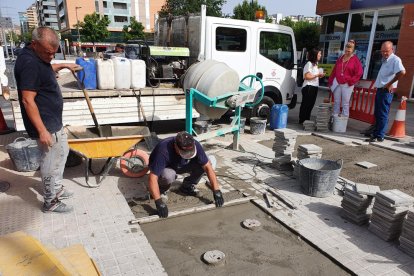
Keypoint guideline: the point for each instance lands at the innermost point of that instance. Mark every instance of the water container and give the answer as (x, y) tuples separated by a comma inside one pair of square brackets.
[(278, 116), (122, 72), (25, 154), (257, 125), (242, 123), (138, 73), (88, 74), (105, 74)]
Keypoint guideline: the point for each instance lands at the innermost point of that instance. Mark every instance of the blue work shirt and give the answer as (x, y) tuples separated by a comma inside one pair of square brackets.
[(389, 68), (164, 156), (33, 74)]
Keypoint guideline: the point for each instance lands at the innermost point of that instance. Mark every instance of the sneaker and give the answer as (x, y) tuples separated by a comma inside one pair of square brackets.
[(190, 190), (64, 194), (57, 206), (164, 196), (371, 139), (380, 139)]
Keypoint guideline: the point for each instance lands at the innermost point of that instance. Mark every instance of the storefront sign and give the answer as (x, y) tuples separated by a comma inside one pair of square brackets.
[(387, 35), (362, 4), (331, 37)]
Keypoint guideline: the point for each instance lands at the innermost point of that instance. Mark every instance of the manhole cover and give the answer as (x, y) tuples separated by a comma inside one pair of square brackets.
[(4, 186), (214, 257), (251, 224)]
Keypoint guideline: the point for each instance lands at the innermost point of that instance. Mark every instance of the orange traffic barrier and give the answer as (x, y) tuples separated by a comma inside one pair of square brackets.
[(398, 127)]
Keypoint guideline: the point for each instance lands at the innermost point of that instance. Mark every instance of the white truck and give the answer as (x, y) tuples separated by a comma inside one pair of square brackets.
[(251, 48)]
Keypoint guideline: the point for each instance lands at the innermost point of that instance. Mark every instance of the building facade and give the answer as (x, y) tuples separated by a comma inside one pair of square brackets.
[(31, 14), (369, 23), (46, 13), (24, 25)]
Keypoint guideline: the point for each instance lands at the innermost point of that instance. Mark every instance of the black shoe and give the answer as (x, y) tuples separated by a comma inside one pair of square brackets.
[(372, 139), (379, 139), (190, 190)]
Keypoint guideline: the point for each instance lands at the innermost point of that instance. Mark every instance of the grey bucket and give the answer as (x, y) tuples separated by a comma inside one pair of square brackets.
[(25, 154), (257, 125), (242, 123), (318, 177)]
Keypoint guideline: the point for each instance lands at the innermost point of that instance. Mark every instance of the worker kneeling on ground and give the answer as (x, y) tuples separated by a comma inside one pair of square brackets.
[(178, 155)]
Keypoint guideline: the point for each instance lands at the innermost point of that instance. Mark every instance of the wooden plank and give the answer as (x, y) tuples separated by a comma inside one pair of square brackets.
[(192, 210)]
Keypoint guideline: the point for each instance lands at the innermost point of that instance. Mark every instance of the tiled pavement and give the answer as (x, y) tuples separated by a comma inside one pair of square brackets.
[(100, 219)]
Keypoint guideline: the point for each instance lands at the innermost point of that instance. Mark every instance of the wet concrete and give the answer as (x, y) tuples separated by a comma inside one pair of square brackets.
[(273, 250)]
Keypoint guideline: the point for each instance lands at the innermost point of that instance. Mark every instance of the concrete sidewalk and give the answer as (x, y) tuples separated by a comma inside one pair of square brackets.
[(101, 215)]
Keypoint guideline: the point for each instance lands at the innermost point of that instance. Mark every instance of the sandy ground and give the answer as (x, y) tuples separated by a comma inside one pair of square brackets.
[(394, 170), (272, 250)]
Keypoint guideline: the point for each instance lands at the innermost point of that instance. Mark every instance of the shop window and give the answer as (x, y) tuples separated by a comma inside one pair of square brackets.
[(231, 39), (387, 28), (332, 37), (360, 31), (278, 48)]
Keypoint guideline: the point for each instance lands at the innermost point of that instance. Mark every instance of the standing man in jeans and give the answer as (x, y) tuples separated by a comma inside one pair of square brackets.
[(390, 72), (41, 104)]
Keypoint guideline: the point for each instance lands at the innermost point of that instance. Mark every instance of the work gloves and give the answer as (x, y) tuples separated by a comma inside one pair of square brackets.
[(218, 198), (161, 208)]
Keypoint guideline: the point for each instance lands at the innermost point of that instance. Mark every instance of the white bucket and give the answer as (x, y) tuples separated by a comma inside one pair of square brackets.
[(339, 124)]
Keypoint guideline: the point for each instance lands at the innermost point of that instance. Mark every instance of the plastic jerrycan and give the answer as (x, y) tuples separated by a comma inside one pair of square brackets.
[(122, 72), (88, 74), (138, 73), (278, 116), (105, 74)]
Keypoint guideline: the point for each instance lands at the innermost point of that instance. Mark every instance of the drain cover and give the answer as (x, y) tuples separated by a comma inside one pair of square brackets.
[(4, 186), (252, 224), (214, 257)]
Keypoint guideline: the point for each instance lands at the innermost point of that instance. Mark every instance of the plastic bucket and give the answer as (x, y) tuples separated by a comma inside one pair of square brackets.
[(318, 177), (339, 124), (257, 125), (25, 154), (201, 126), (278, 116), (242, 123)]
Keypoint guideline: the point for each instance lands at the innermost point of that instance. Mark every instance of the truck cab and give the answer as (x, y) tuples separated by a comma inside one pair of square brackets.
[(252, 48)]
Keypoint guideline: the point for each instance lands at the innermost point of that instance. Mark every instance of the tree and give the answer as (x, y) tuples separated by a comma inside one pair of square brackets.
[(247, 11), (184, 7), (94, 27), (306, 33), (134, 30)]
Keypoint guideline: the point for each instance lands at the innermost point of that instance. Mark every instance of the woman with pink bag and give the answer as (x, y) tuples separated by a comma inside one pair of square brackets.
[(345, 74)]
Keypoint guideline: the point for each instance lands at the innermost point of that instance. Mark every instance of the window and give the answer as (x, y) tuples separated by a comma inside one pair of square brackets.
[(332, 37), (277, 47), (105, 4), (231, 39), (360, 30), (122, 6), (121, 19)]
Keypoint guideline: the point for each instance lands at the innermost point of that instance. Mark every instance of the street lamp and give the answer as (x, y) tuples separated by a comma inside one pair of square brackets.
[(77, 26)]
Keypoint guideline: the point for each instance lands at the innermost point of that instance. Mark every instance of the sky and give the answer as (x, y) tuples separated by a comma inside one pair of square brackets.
[(286, 7)]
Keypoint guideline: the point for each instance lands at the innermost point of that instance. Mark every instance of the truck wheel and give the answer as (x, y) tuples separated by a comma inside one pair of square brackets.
[(134, 163), (263, 108)]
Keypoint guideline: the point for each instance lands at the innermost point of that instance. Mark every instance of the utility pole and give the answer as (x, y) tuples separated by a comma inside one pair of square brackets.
[(252, 11), (77, 27)]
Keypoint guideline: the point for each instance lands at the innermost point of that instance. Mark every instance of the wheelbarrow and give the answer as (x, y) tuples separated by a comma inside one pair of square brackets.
[(122, 145)]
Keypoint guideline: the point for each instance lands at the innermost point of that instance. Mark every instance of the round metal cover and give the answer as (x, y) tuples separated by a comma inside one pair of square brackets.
[(214, 257), (252, 224)]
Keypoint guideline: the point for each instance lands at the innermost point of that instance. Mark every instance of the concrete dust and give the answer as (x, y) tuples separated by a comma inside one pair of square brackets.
[(180, 243), (394, 170)]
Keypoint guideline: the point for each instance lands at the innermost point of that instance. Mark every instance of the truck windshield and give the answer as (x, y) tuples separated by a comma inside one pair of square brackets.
[(278, 48)]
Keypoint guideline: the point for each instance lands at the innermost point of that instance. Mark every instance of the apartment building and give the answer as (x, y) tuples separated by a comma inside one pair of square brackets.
[(31, 14), (24, 26), (46, 13)]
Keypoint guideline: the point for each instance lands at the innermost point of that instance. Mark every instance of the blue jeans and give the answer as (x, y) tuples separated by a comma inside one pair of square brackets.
[(383, 101), (52, 165)]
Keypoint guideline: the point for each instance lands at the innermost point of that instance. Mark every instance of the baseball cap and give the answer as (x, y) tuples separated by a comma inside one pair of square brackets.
[(186, 145)]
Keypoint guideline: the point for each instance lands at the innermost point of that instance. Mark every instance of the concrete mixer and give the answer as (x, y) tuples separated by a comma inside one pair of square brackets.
[(212, 88)]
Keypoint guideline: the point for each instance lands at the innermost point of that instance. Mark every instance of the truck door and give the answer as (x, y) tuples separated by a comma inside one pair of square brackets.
[(275, 60), (229, 45)]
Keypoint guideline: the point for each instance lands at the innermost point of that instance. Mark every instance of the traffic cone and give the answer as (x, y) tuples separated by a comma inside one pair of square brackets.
[(4, 129), (398, 127)]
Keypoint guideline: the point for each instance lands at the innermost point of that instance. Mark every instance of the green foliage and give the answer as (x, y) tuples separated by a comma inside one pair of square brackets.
[(94, 27), (306, 33), (184, 7), (133, 31), (247, 10)]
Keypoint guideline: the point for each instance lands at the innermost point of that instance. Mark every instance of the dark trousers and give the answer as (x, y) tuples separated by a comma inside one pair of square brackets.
[(169, 175), (309, 94), (383, 100)]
